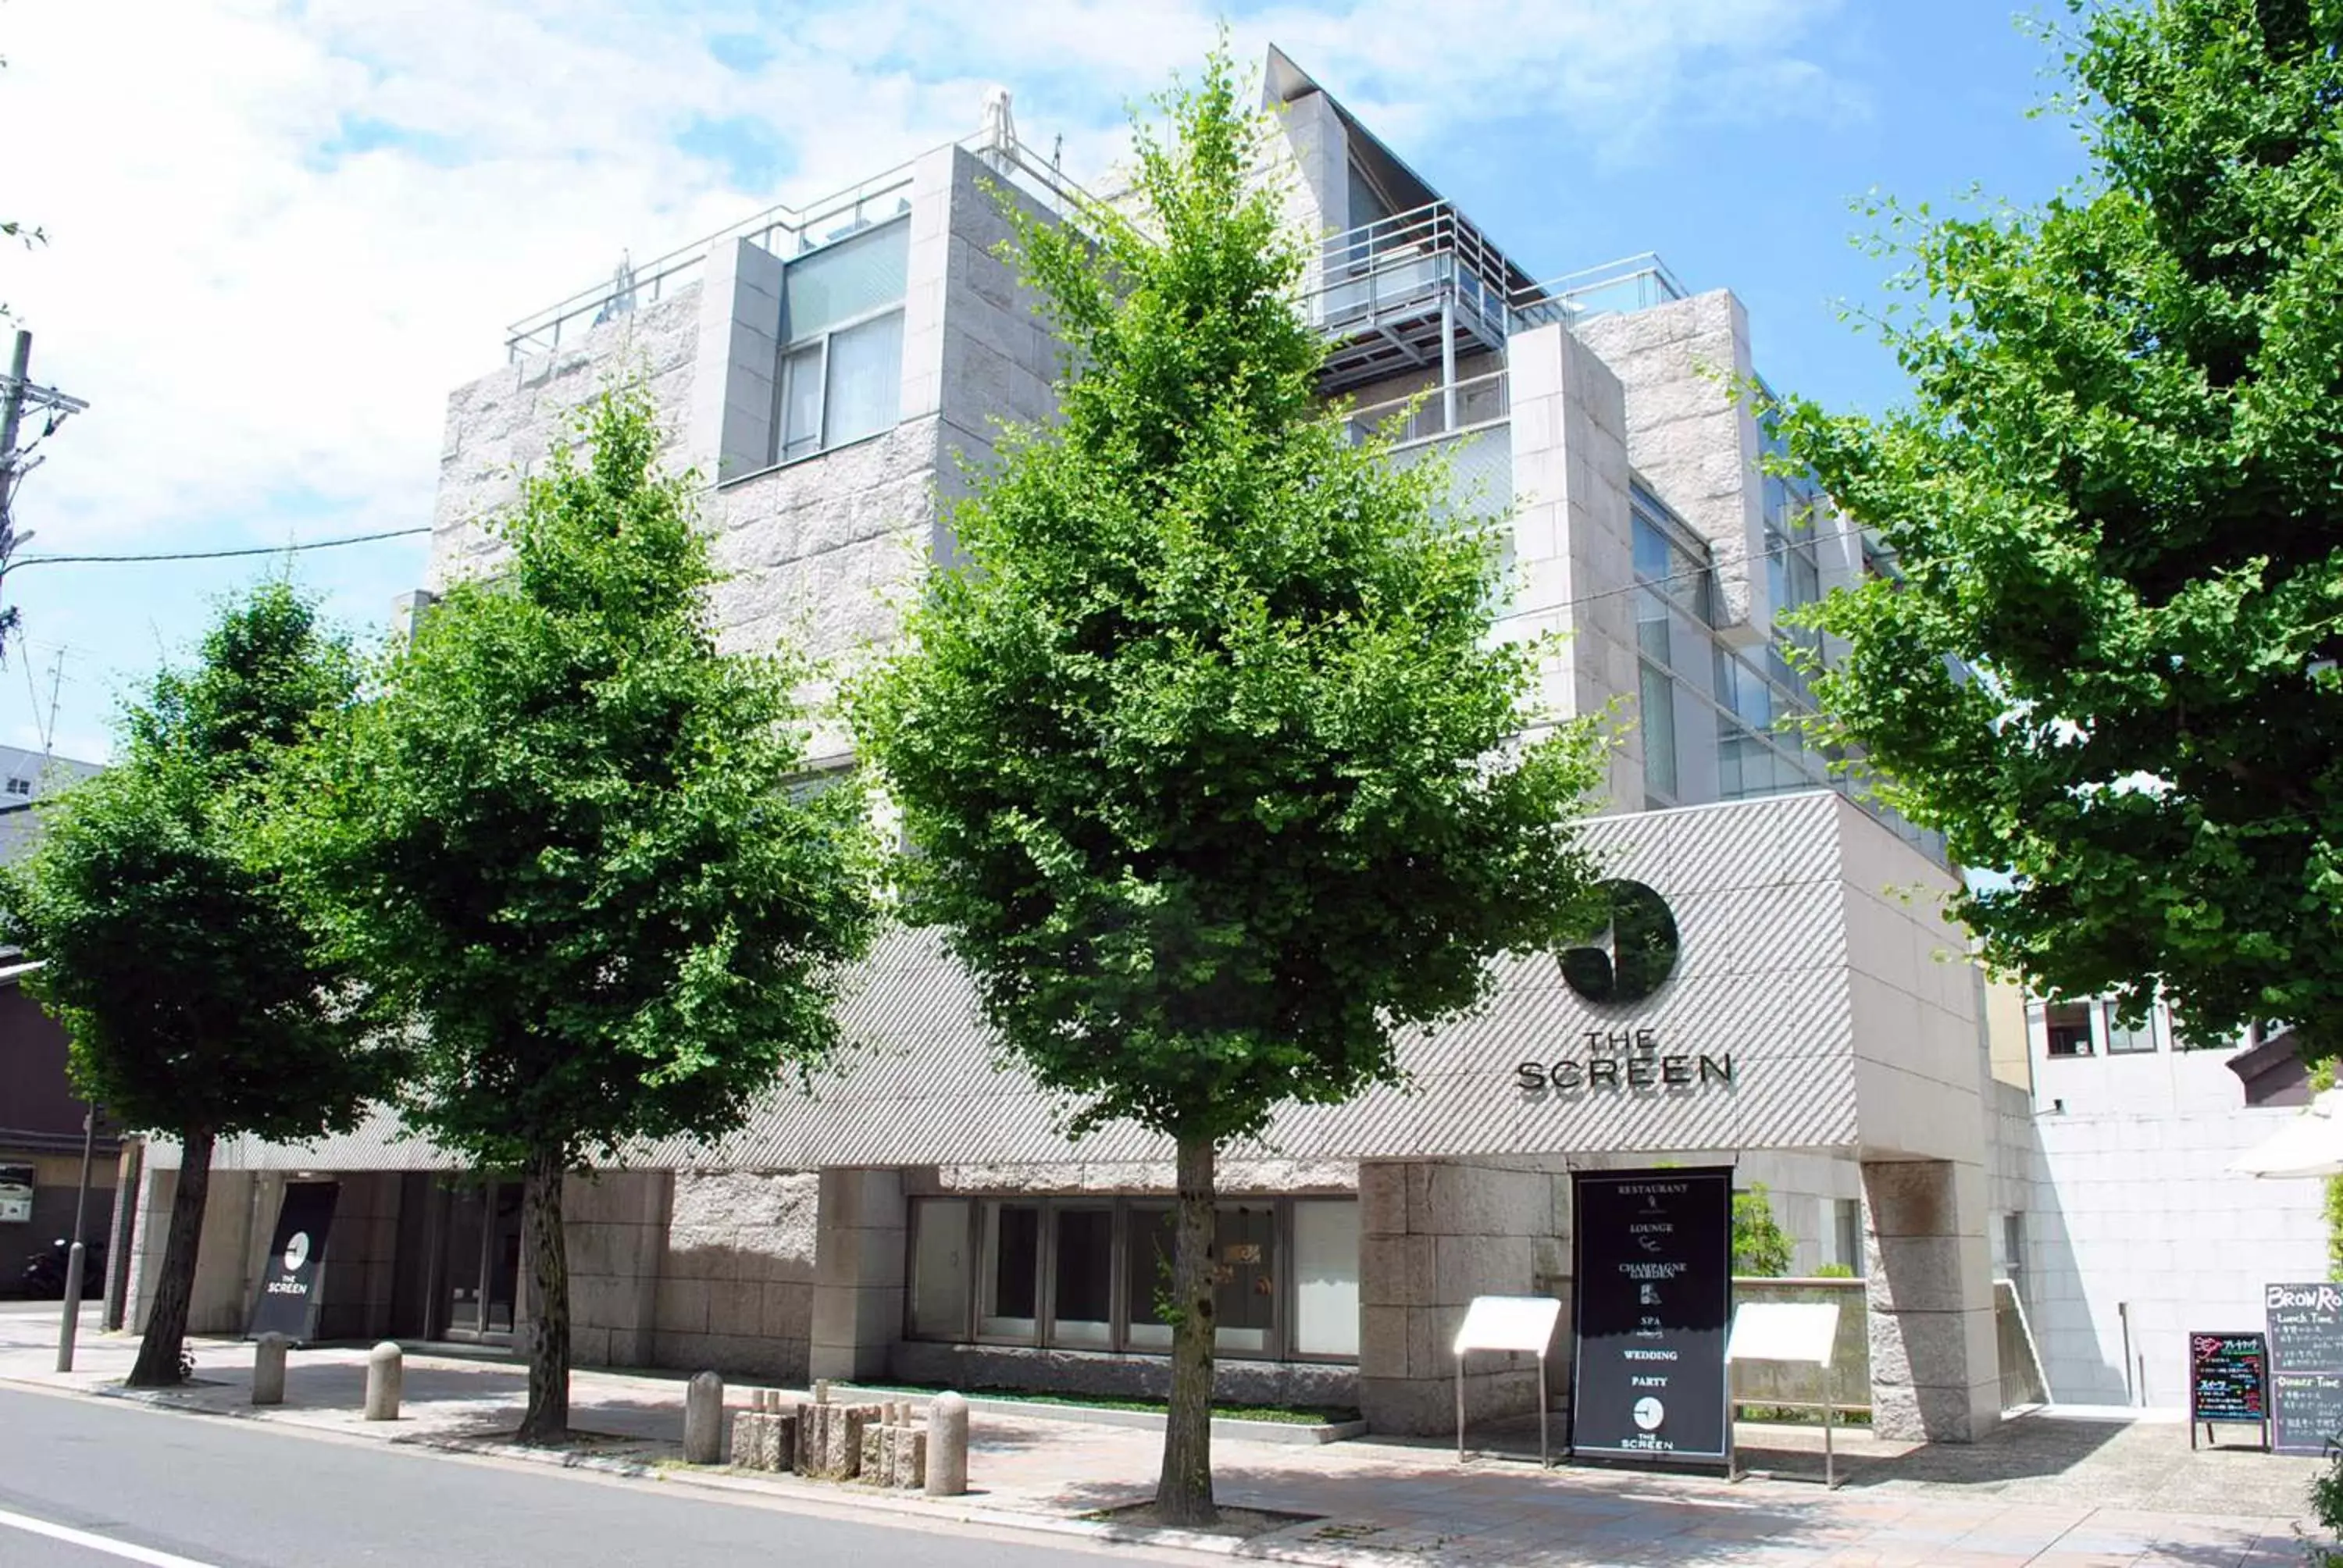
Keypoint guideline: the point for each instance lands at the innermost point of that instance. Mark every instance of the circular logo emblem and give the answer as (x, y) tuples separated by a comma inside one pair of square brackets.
[(1632, 955), (1649, 1412), (297, 1251)]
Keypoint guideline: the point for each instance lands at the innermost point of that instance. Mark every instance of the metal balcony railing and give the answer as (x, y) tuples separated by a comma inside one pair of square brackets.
[(784, 230), (1437, 411), (1405, 264)]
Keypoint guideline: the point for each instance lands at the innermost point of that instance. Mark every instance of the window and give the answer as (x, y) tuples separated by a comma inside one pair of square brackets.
[(940, 1271), (1244, 1304), (1081, 1277), (1092, 1274), (20, 786), (1847, 1233), (2068, 1026), (1659, 727), (1012, 1271), (1326, 1278), (2123, 1040), (840, 372)]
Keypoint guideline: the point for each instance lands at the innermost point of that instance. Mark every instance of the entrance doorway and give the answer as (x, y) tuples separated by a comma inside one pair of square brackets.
[(480, 1262)]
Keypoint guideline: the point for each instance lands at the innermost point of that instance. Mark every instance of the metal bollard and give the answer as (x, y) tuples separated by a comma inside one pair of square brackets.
[(385, 1373), (68, 1328), (947, 1445), (703, 1420), (269, 1369)]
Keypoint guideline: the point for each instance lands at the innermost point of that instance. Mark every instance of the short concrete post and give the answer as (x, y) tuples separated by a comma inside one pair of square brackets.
[(269, 1369), (703, 1420), (386, 1375), (947, 1445)]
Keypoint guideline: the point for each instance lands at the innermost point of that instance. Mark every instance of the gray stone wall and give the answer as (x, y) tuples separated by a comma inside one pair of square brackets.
[(615, 1225), (1691, 439), (1433, 1235), (734, 1290)]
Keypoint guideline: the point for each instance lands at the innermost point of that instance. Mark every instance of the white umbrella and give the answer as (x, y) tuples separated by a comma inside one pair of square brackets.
[(2309, 1145)]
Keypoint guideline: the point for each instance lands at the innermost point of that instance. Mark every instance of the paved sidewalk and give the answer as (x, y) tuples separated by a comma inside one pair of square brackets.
[(2049, 1491)]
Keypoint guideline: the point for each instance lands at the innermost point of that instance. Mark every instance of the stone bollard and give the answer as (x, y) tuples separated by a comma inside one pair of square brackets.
[(386, 1375), (703, 1420), (269, 1369), (947, 1455)]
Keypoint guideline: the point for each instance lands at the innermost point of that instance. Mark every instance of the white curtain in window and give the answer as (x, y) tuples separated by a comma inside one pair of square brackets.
[(1326, 1277), (865, 380)]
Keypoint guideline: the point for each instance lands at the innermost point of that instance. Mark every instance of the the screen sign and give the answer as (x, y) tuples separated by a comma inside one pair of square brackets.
[(288, 1299), (1654, 1291)]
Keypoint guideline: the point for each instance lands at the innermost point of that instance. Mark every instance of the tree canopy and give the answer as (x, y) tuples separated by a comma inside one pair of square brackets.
[(1218, 779), (170, 945), (2102, 657), (578, 847)]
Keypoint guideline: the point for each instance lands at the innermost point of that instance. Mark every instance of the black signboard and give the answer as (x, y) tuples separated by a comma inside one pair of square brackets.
[(2305, 1410), (2228, 1381), (1652, 1294), (2305, 1326), (288, 1299)]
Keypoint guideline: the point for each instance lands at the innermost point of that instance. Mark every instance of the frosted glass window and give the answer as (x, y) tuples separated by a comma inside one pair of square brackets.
[(941, 1274), (840, 282), (865, 380), (801, 402), (1326, 1278)]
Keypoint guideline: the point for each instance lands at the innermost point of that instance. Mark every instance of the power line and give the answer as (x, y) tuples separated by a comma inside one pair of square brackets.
[(283, 549)]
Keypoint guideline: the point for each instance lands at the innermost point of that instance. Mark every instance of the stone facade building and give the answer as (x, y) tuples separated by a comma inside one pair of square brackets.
[(834, 373)]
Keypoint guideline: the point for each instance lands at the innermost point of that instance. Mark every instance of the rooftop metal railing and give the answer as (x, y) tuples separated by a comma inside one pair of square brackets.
[(783, 229), (1368, 273), (1631, 282)]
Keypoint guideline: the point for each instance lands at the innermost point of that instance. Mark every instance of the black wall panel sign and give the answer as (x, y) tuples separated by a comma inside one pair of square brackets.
[(1653, 1300), (2306, 1364), (290, 1300)]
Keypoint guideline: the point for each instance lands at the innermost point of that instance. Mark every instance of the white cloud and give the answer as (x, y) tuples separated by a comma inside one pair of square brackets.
[(279, 234)]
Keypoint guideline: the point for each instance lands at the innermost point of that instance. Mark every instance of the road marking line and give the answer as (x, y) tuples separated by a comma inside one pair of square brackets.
[(123, 1549)]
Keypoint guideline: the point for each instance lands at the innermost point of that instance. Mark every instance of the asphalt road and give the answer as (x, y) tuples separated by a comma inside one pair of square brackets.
[(128, 1483)]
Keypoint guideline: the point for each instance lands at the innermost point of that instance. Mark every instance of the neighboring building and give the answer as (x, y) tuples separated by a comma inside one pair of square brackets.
[(829, 367), (40, 1117), (2118, 1218)]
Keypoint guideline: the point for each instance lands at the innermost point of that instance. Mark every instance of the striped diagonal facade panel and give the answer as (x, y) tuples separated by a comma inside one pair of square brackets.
[(1759, 893)]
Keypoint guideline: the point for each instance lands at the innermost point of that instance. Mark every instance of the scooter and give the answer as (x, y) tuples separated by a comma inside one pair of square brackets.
[(44, 1270)]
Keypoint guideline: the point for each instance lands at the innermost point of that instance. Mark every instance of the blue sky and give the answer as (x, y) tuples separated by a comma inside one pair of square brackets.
[(281, 232)]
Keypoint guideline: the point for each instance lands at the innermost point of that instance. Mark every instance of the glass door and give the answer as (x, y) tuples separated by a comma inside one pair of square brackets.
[(481, 1261)]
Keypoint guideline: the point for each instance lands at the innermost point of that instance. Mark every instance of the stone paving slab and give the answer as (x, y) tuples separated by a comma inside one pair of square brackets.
[(2045, 1494)]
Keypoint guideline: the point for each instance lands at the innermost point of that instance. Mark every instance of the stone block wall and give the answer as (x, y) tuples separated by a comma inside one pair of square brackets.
[(1692, 439), (734, 1291), (1433, 1235), (1573, 534), (614, 1226), (859, 1263), (1935, 1364)]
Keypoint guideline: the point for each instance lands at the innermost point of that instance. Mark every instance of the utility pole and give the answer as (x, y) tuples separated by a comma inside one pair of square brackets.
[(19, 395)]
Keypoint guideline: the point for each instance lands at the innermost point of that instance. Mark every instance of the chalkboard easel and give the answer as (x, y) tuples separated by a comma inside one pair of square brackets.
[(2228, 1384)]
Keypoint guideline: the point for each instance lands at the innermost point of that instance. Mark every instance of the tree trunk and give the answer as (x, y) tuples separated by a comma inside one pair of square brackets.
[(547, 1418), (1183, 1495), (158, 1365)]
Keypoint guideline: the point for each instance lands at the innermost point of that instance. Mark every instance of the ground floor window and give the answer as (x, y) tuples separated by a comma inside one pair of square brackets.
[(1095, 1273)]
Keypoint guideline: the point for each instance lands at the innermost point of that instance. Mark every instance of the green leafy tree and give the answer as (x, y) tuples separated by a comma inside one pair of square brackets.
[(170, 948), (577, 850), (2114, 503), (1213, 766), (1761, 1248)]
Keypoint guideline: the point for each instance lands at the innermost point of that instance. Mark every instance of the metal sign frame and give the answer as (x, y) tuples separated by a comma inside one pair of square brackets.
[(1512, 1324)]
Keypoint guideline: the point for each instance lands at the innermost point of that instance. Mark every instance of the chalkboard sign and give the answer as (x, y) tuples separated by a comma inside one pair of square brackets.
[(2305, 1364), (2307, 1410), (1654, 1298), (2228, 1383)]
